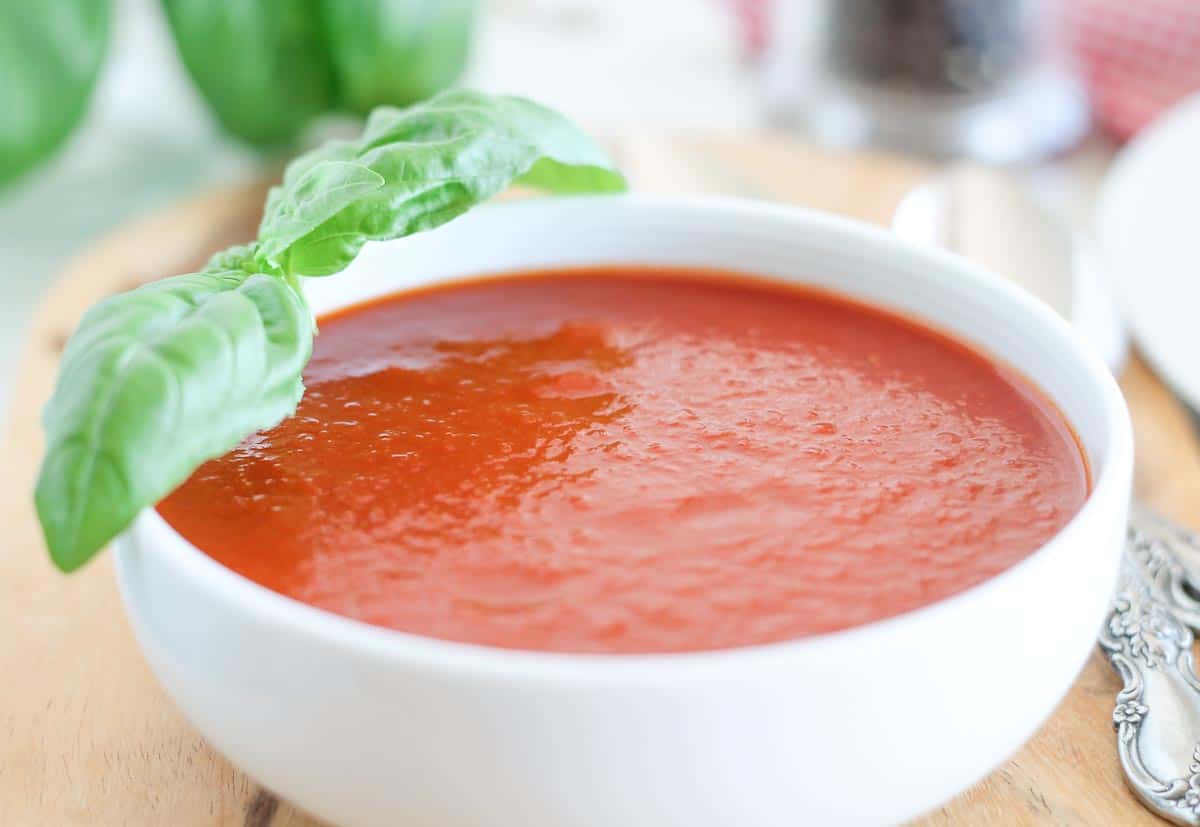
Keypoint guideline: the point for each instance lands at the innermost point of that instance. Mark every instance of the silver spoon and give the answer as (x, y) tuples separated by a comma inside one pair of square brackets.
[(1011, 224), (1147, 639), (1147, 635)]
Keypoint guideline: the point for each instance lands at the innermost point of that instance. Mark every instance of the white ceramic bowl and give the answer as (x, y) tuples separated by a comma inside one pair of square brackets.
[(365, 726)]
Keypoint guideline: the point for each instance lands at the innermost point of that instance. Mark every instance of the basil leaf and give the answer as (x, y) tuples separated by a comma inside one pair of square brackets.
[(395, 51), (50, 54), (433, 161), (154, 382), (260, 64)]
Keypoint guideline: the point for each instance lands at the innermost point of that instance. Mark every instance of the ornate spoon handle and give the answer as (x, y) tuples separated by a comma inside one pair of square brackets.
[(1147, 640), (1169, 557)]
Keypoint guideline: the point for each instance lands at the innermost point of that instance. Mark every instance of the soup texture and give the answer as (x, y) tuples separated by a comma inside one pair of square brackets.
[(634, 460)]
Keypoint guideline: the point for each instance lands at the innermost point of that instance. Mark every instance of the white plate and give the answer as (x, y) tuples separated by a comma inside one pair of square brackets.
[(1148, 235)]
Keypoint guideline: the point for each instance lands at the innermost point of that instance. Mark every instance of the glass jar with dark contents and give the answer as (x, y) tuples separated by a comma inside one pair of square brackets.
[(949, 46), (943, 77)]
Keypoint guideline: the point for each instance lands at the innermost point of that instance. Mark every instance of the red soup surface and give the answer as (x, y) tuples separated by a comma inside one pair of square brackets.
[(636, 460)]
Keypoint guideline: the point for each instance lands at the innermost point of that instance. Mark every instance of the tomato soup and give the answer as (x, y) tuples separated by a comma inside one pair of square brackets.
[(636, 460)]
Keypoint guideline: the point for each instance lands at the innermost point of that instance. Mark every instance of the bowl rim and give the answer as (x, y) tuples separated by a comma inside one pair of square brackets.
[(305, 620)]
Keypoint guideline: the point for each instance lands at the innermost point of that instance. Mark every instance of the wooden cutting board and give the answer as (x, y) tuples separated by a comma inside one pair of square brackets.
[(88, 738)]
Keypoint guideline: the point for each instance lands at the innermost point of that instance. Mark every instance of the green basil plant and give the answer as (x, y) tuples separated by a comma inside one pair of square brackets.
[(50, 55), (266, 68)]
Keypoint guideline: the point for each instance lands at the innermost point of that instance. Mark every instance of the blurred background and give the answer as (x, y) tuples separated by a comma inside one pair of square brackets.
[(114, 108)]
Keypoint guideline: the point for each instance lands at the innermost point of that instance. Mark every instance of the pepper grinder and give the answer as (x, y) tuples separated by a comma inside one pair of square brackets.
[(976, 79)]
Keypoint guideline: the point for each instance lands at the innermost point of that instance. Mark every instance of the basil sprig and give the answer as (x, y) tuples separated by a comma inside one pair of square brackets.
[(160, 379), (416, 168)]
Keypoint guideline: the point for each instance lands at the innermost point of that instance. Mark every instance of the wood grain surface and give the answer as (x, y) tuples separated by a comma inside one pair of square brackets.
[(88, 738)]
